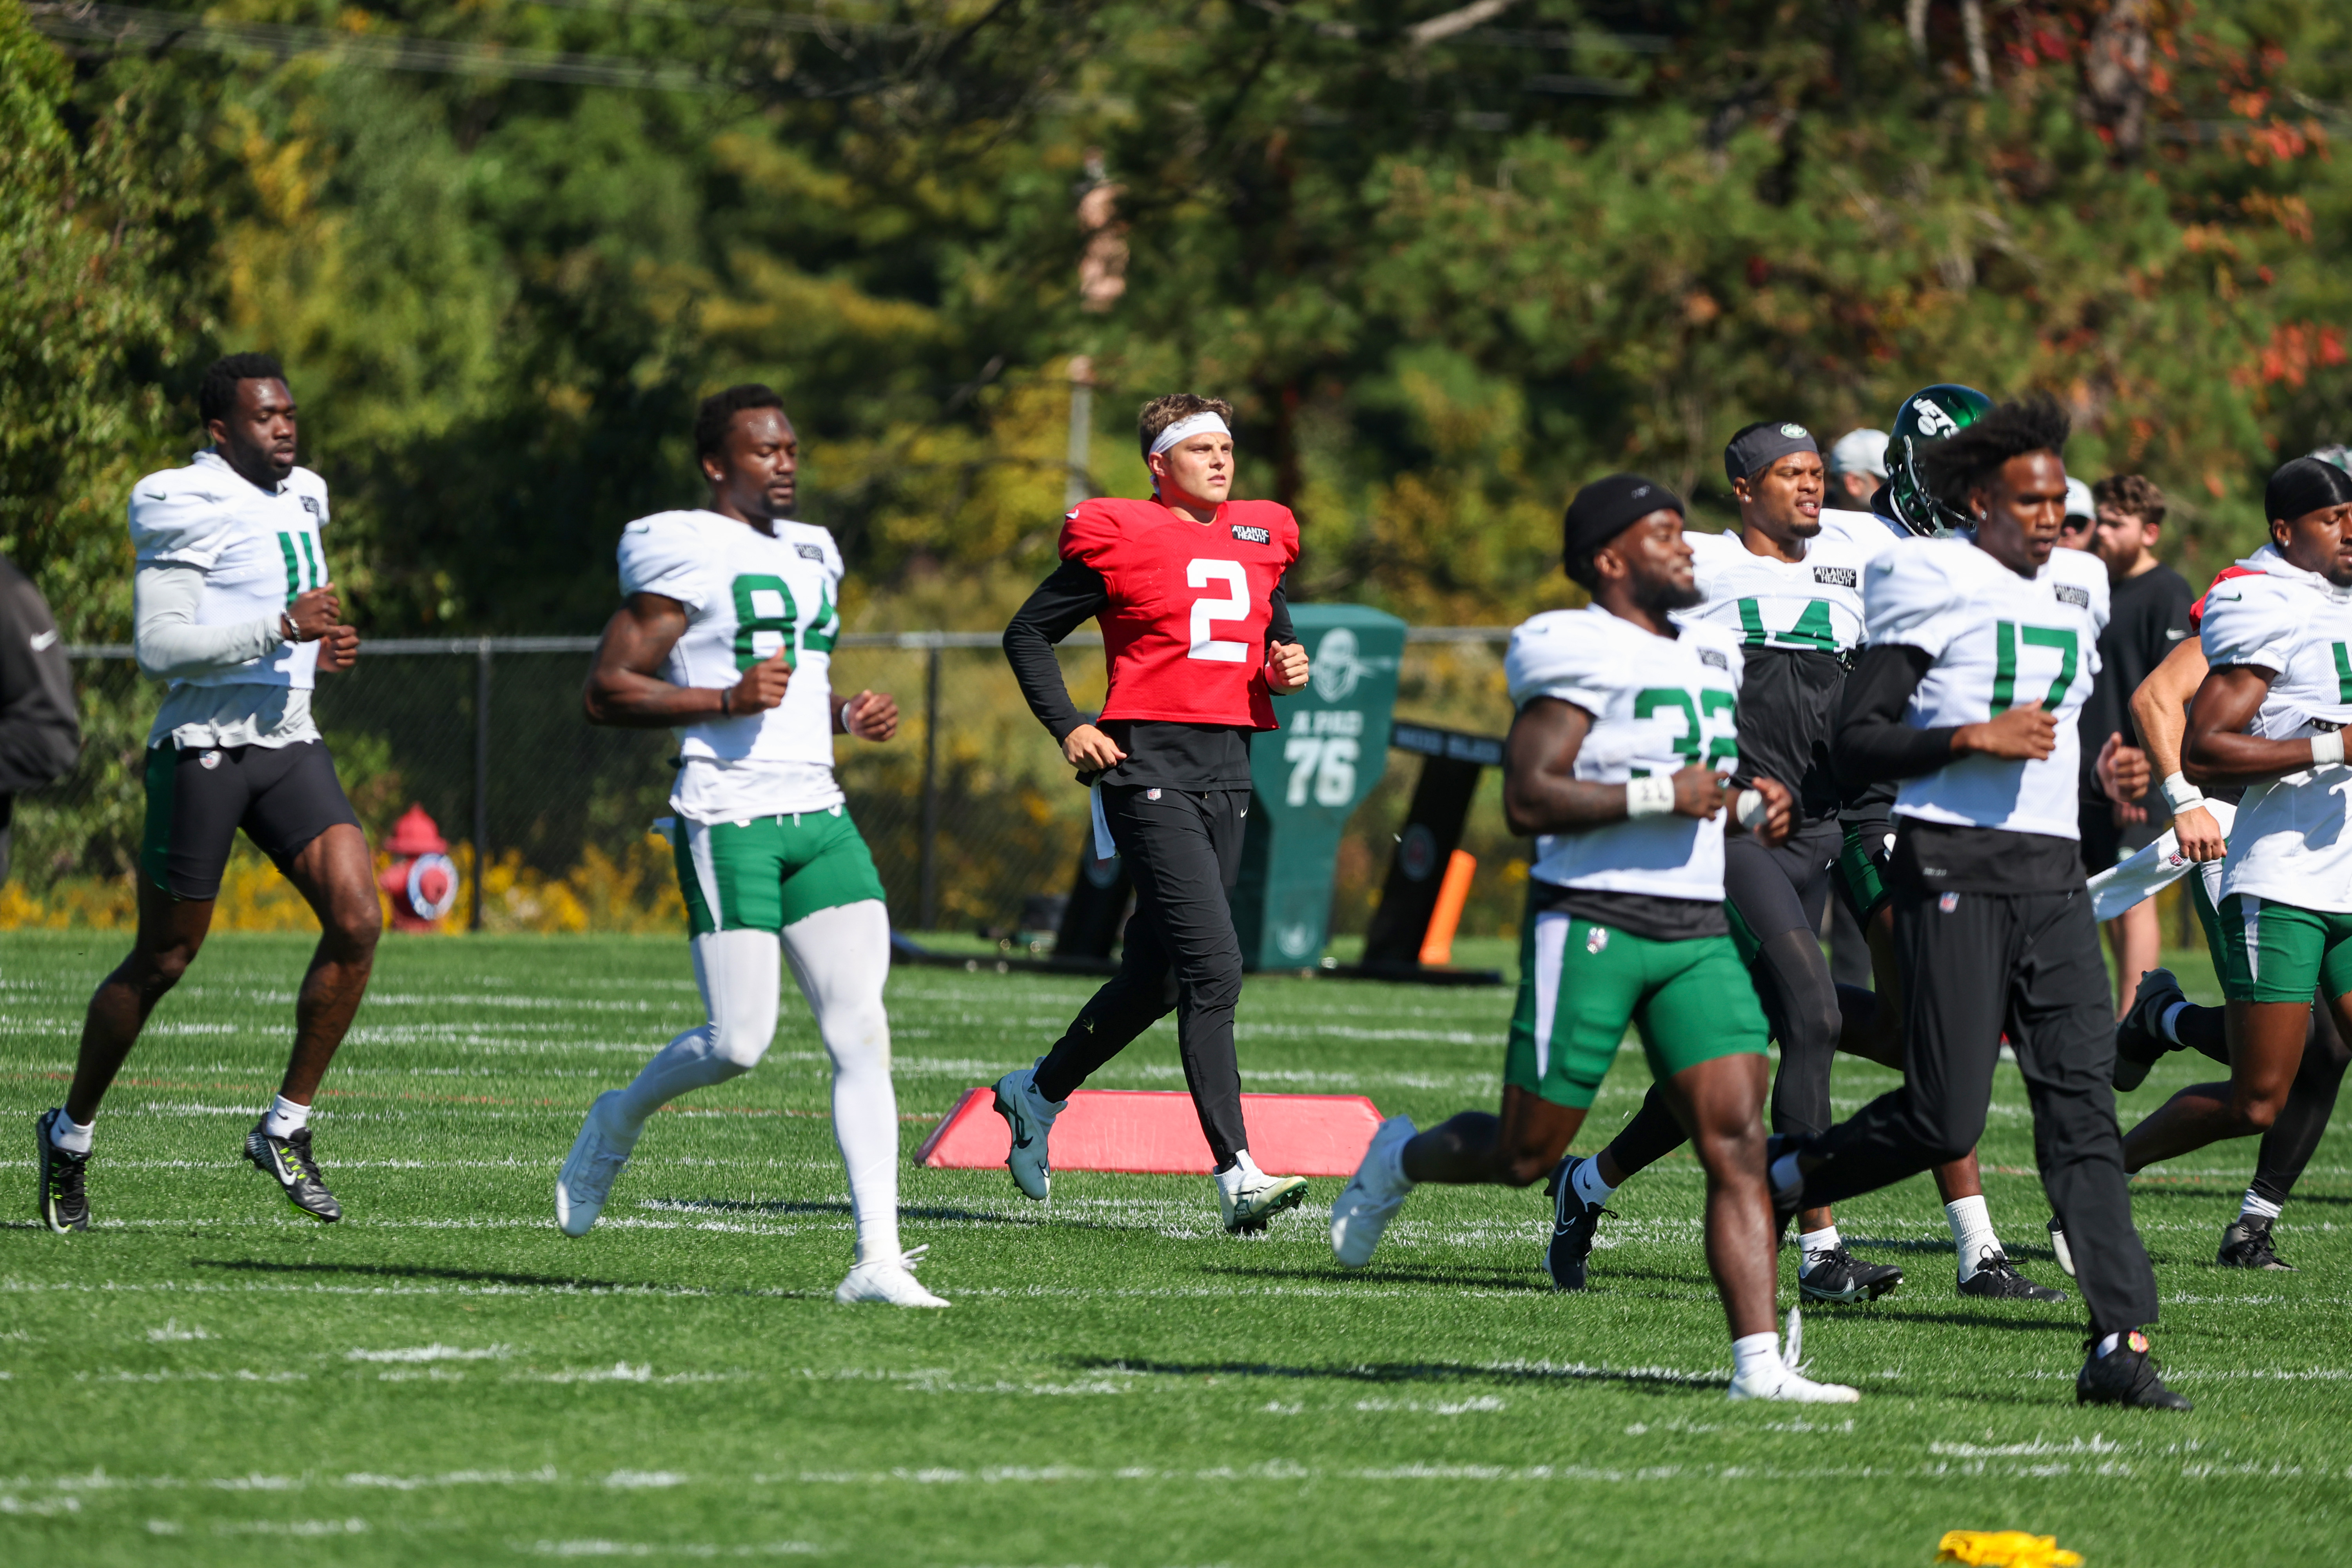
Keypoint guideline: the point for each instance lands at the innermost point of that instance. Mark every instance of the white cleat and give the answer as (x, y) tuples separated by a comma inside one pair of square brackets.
[(1247, 1197), (890, 1280), (1366, 1204), (1029, 1116), (1786, 1380), (586, 1179)]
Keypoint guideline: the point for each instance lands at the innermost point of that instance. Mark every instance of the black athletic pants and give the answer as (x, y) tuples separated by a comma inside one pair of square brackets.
[(1976, 965), (1778, 895), (1183, 850)]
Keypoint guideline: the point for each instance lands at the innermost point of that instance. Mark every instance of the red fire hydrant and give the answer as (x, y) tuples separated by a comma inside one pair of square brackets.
[(422, 880)]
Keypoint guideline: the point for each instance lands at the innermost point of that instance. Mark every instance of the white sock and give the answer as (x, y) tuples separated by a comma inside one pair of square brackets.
[(1756, 1356), (1388, 1167), (841, 956), (2170, 1025), (73, 1137), (1588, 1185), (1785, 1174), (2255, 1207), (1972, 1231), (286, 1118), (738, 972), (1822, 1240), (2108, 1343)]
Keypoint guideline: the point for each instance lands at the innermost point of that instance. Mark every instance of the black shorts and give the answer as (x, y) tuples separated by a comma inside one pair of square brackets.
[(283, 796)]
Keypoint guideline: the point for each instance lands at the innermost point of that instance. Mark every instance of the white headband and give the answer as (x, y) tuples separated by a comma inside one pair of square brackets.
[(1186, 428)]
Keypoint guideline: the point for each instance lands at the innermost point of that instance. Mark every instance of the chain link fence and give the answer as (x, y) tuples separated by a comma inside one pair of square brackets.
[(971, 812)]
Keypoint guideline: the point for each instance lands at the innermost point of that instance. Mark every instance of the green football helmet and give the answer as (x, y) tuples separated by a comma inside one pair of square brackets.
[(1925, 417)]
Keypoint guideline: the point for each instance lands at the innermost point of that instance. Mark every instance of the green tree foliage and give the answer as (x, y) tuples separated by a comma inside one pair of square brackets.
[(1448, 261)]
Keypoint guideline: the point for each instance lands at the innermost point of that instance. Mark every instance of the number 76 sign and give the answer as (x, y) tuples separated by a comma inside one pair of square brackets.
[(1310, 776)]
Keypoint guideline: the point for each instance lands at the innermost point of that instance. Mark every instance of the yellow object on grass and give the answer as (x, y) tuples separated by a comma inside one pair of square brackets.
[(2004, 1549)]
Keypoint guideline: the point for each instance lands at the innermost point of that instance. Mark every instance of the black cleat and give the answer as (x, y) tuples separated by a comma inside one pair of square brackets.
[(1573, 1223), (2125, 1375), (1839, 1275), (2139, 1045), (1997, 1279), (289, 1160), (64, 1204), (2247, 1244)]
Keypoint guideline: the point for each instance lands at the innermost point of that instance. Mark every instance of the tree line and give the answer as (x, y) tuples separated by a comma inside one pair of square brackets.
[(1448, 261)]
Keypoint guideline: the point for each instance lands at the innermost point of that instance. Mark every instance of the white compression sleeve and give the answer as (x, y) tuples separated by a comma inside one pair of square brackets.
[(841, 957), (738, 972), (165, 638)]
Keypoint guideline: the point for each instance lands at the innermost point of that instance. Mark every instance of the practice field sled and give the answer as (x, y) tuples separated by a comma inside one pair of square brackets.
[(1157, 1132)]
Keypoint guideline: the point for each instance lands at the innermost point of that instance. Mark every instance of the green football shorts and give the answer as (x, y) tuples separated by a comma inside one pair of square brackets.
[(2272, 951), (1580, 985), (772, 871)]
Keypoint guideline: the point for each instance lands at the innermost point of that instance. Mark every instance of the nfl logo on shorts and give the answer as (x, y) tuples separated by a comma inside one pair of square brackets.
[(1596, 938), (1949, 902)]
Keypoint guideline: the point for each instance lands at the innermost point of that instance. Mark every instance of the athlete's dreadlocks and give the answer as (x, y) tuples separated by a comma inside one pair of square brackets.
[(1968, 459)]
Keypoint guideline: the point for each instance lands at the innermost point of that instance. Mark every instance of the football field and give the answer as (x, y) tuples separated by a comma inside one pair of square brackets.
[(207, 1375)]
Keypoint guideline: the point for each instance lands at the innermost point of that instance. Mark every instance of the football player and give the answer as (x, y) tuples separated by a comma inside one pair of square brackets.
[(1622, 759), (233, 604), (725, 633), (2268, 715), (1188, 587), (1788, 584), (1981, 652), (2161, 1019)]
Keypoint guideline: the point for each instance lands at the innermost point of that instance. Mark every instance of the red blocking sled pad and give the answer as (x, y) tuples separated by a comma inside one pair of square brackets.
[(1158, 1133)]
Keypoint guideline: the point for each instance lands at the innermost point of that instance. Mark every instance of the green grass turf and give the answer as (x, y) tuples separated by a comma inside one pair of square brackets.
[(444, 1377)]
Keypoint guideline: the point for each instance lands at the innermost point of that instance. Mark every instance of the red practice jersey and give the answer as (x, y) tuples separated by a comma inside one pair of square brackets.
[(1184, 632), (2197, 610)]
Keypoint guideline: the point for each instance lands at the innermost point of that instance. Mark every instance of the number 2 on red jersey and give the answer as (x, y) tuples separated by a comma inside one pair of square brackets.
[(1233, 606)]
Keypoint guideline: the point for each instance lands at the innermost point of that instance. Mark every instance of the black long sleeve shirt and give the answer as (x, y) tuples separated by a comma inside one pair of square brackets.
[(1159, 754), (40, 735)]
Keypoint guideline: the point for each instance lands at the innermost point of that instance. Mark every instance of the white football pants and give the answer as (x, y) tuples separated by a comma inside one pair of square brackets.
[(841, 957)]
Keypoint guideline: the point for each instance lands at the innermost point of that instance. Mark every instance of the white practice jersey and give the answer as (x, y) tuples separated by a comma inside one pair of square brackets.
[(1813, 603), (258, 549), (2292, 838), (746, 595), (1999, 641), (1658, 705)]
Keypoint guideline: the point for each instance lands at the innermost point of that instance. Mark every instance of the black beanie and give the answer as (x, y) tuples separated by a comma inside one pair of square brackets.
[(1607, 507), (1763, 443), (2306, 484)]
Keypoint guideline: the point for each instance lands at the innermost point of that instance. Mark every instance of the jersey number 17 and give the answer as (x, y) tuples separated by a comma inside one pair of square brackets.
[(2006, 635)]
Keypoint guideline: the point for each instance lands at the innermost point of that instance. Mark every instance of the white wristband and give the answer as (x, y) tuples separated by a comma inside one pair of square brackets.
[(2327, 748), (2180, 794), (1652, 796), (1748, 807)]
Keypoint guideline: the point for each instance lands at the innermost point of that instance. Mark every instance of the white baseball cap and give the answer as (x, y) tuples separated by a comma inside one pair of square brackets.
[(2078, 499), (1860, 452)]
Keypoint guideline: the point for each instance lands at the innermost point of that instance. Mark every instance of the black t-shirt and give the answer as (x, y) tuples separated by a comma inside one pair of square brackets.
[(2148, 618), (1787, 698), (1644, 915)]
